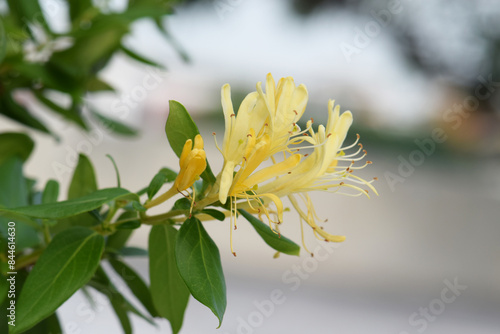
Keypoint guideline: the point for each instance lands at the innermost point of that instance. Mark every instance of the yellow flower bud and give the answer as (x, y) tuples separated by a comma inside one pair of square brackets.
[(192, 162)]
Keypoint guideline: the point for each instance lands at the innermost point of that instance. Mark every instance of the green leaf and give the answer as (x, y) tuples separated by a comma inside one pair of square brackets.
[(140, 58), (113, 125), (3, 42), (179, 128), (136, 285), (170, 294), (15, 144), (117, 240), (199, 265), (155, 185), (120, 305), (13, 193), (94, 84), (83, 182), (49, 325), (182, 204), (276, 241), (117, 172), (75, 206), (130, 225), (214, 213), (69, 114), (133, 251), (65, 266), (14, 111), (51, 192)]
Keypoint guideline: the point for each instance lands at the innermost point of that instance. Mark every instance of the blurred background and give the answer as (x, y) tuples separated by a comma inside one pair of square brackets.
[(422, 80)]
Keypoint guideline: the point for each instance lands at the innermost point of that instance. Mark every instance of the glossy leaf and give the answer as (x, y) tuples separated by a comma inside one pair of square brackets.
[(136, 285), (65, 266), (73, 207), (170, 294), (199, 265), (278, 242), (179, 128)]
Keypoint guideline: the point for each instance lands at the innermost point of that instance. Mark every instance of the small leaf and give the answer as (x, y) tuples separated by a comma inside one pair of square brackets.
[(115, 126), (139, 58), (130, 225), (170, 294), (51, 192), (214, 213), (73, 207), (65, 266), (182, 204), (133, 251), (155, 185), (117, 172), (279, 243), (120, 304), (136, 285), (179, 128), (15, 144), (84, 180), (199, 265)]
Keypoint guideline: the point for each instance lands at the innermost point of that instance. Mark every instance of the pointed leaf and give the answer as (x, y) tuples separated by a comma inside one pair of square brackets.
[(83, 181), (114, 125), (51, 192), (179, 128), (278, 242), (73, 207), (136, 284), (170, 294), (199, 265), (214, 213), (18, 144), (64, 267)]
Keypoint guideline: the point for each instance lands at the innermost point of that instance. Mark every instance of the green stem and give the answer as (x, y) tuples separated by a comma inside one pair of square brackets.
[(162, 198)]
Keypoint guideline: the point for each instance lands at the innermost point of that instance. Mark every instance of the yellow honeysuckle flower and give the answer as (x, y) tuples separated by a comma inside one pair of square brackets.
[(266, 125), (192, 162), (273, 114)]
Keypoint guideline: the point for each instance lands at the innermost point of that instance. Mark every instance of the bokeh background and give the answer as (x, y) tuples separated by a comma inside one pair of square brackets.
[(422, 80)]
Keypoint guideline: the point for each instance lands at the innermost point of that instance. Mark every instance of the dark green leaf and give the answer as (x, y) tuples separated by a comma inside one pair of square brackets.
[(13, 193), (214, 213), (133, 251), (51, 192), (130, 225), (113, 125), (276, 241), (75, 206), (179, 128), (65, 266), (15, 144), (78, 7), (155, 185), (13, 110), (170, 294), (199, 265), (49, 325), (69, 114), (163, 176), (136, 285), (139, 58), (182, 204), (83, 182)]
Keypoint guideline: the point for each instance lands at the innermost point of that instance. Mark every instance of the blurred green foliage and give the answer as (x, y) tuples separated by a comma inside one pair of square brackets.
[(36, 57)]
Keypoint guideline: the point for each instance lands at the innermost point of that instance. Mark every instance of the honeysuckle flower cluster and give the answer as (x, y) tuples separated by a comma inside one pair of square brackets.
[(267, 157), (265, 129)]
